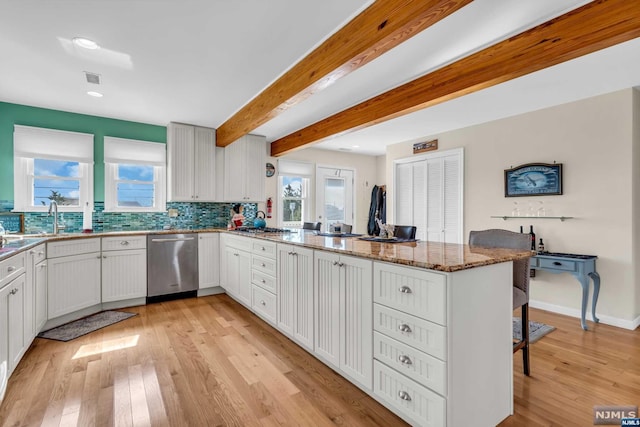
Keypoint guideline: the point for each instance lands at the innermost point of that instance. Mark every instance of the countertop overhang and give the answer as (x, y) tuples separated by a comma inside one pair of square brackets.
[(446, 257)]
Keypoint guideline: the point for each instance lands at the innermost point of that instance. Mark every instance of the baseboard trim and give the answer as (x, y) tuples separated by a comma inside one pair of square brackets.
[(607, 320), (210, 291)]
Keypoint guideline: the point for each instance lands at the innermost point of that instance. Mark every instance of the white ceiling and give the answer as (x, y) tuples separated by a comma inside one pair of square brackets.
[(199, 61)]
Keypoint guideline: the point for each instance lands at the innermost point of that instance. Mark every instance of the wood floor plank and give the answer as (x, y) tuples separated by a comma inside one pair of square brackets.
[(209, 361)]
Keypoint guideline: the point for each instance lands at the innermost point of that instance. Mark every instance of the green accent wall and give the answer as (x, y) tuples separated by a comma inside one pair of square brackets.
[(14, 114)]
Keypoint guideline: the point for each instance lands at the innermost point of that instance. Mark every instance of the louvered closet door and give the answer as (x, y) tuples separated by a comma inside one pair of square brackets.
[(435, 195), (404, 194), (452, 209), (419, 199)]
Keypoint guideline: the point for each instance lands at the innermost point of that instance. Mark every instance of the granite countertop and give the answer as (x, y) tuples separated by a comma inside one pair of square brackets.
[(446, 257), (27, 241)]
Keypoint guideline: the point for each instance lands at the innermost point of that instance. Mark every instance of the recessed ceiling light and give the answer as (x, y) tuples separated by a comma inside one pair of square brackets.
[(356, 146), (85, 43), (95, 94)]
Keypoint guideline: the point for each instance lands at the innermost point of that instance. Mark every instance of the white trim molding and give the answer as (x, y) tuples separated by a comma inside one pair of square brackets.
[(607, 320)]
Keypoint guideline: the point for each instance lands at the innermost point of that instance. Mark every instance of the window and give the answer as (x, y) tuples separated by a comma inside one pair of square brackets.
[(134, 175), (293, 193), (52, 165)]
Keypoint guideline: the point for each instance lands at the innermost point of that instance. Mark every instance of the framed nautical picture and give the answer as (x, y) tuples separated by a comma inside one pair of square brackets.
[(533, 179)]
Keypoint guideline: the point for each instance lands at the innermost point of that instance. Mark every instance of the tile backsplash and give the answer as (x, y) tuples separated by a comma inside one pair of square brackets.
[(191, 216)]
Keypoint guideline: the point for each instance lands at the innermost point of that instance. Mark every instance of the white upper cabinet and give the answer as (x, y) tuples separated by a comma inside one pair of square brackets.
[(192, 170), (245, 161), (429, 195)]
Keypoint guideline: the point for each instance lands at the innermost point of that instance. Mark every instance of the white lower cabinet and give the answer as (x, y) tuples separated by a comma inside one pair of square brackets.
[(73, 280), (295, 293), (40, 299), (15, 303), (208, 260), (124, 275), (236, 258), (431, 365), (343, 315)]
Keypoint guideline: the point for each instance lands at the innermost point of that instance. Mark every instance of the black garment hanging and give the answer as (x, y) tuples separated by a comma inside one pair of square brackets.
[(377, 210)]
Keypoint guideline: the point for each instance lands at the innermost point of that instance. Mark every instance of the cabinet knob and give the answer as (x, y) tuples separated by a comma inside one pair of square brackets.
[(405, 360), (11, 268), (124, 242), (14, 291), (104, 256), (263, 281), (557, 263), (40, 253), (263, 303), (236, 254), (341, 264), (405, 290), (31, 252), (404, 396), (405, 328), (335, 262), (98, 257), (263, 264), (263, 248), (43, 265)]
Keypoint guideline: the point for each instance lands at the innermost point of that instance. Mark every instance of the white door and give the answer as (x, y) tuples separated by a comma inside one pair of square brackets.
[(208, 260), (124, 274), (205, 165), (41, 295), (327, 307), (73, 283), (286, 287), (303, 307), (334, 196)]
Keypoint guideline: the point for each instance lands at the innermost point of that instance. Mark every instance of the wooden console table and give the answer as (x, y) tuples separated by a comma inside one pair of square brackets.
[(582, 267)]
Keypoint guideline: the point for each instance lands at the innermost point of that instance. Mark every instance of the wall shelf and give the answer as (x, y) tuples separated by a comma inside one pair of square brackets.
[(506, 217)]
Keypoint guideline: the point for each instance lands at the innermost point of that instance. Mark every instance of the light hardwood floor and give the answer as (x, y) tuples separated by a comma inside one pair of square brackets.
[(210, 362)]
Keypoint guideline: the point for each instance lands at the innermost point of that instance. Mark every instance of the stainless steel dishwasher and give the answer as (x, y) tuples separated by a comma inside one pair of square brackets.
[(172, 265)]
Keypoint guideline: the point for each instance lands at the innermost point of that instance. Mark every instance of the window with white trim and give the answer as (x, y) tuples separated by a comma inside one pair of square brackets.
[(294, 201), (135, 175), (51, 165)]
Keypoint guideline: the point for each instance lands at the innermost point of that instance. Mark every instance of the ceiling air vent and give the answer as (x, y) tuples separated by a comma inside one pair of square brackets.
[(92, 78)]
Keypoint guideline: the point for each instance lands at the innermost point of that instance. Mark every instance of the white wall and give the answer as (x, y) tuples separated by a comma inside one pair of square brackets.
[(366, 174), (593, 138), (636, 194)]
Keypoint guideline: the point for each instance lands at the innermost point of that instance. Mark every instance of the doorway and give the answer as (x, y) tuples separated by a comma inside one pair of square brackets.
[(334, 196)]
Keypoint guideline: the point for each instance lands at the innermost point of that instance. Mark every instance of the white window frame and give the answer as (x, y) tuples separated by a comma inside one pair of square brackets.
[(32, 143), (120, 151), (306, 171)]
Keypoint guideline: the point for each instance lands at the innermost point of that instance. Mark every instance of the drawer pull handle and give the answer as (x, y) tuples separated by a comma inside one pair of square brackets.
[(263, 303), (14, 291), (341, 264), (405, 328), (405, 290), (263, 248), (263, 281), (405, 360), (557, 263), (124, 242), (404, 396), (40, 253), (236, 254), (11, 268), (263, 264), (43, 265), (335, 262)]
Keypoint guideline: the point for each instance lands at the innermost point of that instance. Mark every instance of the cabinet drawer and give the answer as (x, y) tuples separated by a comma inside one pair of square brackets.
[(422, 368), (417, 292), (124, 243), (264, 265), (263, 303), (555, 264), (411, 400), (39, 253), (73, 247), (418, 333), (11, 268), (263, 280), (264, 248), (237, 242)]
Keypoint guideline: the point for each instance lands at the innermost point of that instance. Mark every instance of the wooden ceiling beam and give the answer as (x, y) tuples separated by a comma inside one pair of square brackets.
[(378, 29), (595, 26)]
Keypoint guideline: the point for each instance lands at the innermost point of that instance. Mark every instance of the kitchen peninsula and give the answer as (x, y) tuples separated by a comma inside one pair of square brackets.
[(421, 327)]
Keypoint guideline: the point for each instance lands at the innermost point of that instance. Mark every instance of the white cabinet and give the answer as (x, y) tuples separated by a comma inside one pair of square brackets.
[(34, 262), (245, 160), (295, 293), (431, 366), (124, 268), (236, 274), (208, 260), (15, 309), (429, 194), (73, 279), (343, 315), (40, 297), (191, 165)]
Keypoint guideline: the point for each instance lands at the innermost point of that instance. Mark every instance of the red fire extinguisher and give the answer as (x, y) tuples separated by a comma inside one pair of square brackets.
[(269, 207)]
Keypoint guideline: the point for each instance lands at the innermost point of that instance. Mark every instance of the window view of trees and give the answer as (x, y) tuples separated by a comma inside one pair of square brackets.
[(56, 180), (292, 199)]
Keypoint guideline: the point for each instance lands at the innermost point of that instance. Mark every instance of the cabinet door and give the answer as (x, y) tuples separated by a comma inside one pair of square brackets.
[(256, 154), (327, 307), (235, 171), (208, 260), (40, 290), (4, 339), (356, 320), (244, 277), (16, 327), (286, 286), (124, 275), (205, 165), (29, 296), (73, 283), (231, 263), (180, 170), (303, 306)]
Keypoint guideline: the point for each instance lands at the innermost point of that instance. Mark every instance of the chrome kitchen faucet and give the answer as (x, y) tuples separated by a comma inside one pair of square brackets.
[(54, 206)]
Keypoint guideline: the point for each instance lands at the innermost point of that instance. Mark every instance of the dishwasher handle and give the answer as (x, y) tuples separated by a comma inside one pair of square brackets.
[(179, 239)]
